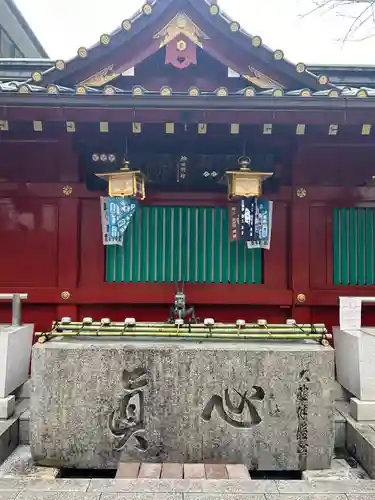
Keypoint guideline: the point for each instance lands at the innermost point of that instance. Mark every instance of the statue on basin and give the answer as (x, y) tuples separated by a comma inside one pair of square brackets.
[(180, 311)]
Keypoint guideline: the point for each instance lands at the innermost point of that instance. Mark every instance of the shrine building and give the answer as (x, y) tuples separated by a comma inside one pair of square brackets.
[(181, 92)]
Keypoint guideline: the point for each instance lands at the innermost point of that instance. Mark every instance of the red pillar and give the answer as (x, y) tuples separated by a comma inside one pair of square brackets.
[(68, 231), (300, 243)]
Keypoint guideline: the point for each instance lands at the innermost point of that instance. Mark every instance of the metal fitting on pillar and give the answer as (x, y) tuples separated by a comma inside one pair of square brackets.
[(16, 310), (16, 305)]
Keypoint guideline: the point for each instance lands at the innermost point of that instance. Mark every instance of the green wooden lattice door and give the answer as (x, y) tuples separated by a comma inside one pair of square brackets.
[(353, 246), (156, 250)]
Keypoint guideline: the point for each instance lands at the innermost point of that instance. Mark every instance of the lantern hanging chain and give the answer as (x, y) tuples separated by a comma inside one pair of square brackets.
[(244, 161), (125, 160), (244, 148)]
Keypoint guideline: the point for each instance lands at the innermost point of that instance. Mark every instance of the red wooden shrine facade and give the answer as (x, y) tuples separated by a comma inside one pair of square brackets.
[(180, 78)]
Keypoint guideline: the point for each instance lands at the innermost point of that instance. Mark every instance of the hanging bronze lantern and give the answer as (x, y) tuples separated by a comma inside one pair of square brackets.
[(125, 182), (245, 183)]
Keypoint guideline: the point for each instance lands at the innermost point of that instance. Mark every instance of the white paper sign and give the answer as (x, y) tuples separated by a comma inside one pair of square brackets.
[(350, 313)]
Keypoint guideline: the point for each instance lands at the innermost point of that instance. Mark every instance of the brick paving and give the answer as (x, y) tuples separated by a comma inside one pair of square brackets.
[(134, 470)]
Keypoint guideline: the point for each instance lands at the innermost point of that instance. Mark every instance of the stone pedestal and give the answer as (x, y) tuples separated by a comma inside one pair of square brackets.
[(362, 410), (266, 405), (7, 407), (355, 361), (355, 365), (15, 352)]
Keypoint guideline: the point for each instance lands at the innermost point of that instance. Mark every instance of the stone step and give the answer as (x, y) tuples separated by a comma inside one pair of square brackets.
[(21, 465), (136, 470), (9, 436), (360, 439), (24, 427), (23, 392), (340, 431), (15, 429)]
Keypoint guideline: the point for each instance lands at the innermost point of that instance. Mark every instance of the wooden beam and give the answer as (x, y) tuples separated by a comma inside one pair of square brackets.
[(157, 293)]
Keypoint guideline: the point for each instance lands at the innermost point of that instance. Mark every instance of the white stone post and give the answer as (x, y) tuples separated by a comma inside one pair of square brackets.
[(15, 352), (355, 357)]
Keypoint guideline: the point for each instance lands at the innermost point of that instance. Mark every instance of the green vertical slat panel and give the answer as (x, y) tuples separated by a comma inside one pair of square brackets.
[(152, 243), (149, 235), (135, 250), (232, 261), (209, 245), (110, 263), (127, 257), (201, 245), (168, 246), (245, 253), (241, 262), (257, 258), (191, 244), (344, 228), (336, 247), (143, 248), (124, 263), (218, 242), (369, 246), (225, 248), (160, 249), (361, 246), (139, 244), (119, 259), (352, 246), (185, 250), (192, 241), (176, 243)]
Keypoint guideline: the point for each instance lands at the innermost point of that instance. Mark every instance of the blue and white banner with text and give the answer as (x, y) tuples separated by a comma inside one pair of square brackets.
[(256, 222), (116, 215)]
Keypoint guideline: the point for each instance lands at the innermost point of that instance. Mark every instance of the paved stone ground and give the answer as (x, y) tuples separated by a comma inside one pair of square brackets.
[(183, 489), (134, 470)]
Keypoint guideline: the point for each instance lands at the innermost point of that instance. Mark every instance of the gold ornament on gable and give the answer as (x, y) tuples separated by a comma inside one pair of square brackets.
[(181, 24), (261, 80), (181, 45), (102, 77)]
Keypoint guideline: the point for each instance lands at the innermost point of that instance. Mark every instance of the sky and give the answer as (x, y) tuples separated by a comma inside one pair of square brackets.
[(64, 26)]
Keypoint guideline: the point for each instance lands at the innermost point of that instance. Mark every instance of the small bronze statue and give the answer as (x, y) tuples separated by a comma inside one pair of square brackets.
[(179, 309)]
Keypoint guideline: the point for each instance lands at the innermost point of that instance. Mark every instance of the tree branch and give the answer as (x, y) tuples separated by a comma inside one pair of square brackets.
[(364, 18)]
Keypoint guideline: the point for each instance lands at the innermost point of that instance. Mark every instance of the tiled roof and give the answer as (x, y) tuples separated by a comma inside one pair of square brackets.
[(138, 91), (130, 28)]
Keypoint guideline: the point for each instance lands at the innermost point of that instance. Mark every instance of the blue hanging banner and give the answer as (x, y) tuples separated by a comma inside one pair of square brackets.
[(116, 215), (256, 222)]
